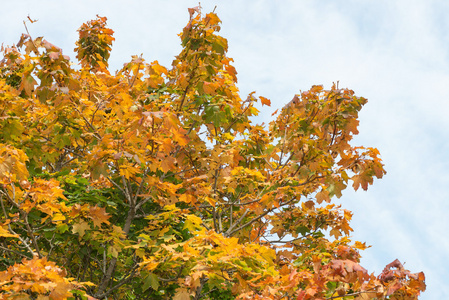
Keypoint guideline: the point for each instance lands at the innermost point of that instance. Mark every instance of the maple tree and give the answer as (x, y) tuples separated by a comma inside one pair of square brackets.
[(154, 183)]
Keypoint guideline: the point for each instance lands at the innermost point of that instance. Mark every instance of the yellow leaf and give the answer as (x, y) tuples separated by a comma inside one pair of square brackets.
[(361, 246), (180, 137), (58, 217), (37, 288), (157, 68), (181, 294), (192, 222), (128, 171), (187, 198), (5, 233), (113, 251), (228, 136), (210, 200), (80, 228), (212, 19)]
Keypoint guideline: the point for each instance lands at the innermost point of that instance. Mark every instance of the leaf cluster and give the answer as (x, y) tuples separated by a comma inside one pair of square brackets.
[(154, 182)]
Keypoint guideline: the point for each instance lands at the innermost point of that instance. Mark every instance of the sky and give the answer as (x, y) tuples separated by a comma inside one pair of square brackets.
[(395, 53)]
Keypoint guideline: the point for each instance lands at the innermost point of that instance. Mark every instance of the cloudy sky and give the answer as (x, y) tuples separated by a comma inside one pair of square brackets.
[(395, 53)]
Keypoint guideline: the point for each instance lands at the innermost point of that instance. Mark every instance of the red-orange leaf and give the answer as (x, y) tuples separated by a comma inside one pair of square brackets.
[(265, 101)]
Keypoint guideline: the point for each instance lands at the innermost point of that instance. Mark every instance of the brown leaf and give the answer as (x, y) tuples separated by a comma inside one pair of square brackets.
[(322, 196), (393, 288), (32, 21), (27, 84), (196, 9)]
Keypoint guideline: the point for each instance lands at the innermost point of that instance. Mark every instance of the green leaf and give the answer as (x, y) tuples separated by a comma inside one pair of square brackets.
[(63, 228), (303, 230), (152, 281)]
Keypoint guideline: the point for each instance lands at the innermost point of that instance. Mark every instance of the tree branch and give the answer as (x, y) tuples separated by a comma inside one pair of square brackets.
[(124, 280)]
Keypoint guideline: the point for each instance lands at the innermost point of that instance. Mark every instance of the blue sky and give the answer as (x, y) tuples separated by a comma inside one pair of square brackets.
[(395, 53)]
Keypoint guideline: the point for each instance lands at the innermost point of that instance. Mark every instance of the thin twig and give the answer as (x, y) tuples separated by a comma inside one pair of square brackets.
[(354, 294), (25, 243), (15, 252), (31, 39)]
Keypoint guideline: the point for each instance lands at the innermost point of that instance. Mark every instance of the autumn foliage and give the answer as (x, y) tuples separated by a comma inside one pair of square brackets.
[(154, 183)]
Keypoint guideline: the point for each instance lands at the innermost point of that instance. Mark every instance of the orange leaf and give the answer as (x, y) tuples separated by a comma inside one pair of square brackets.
[(265, 101), (98, 215), (322, 196), (209, 88)]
